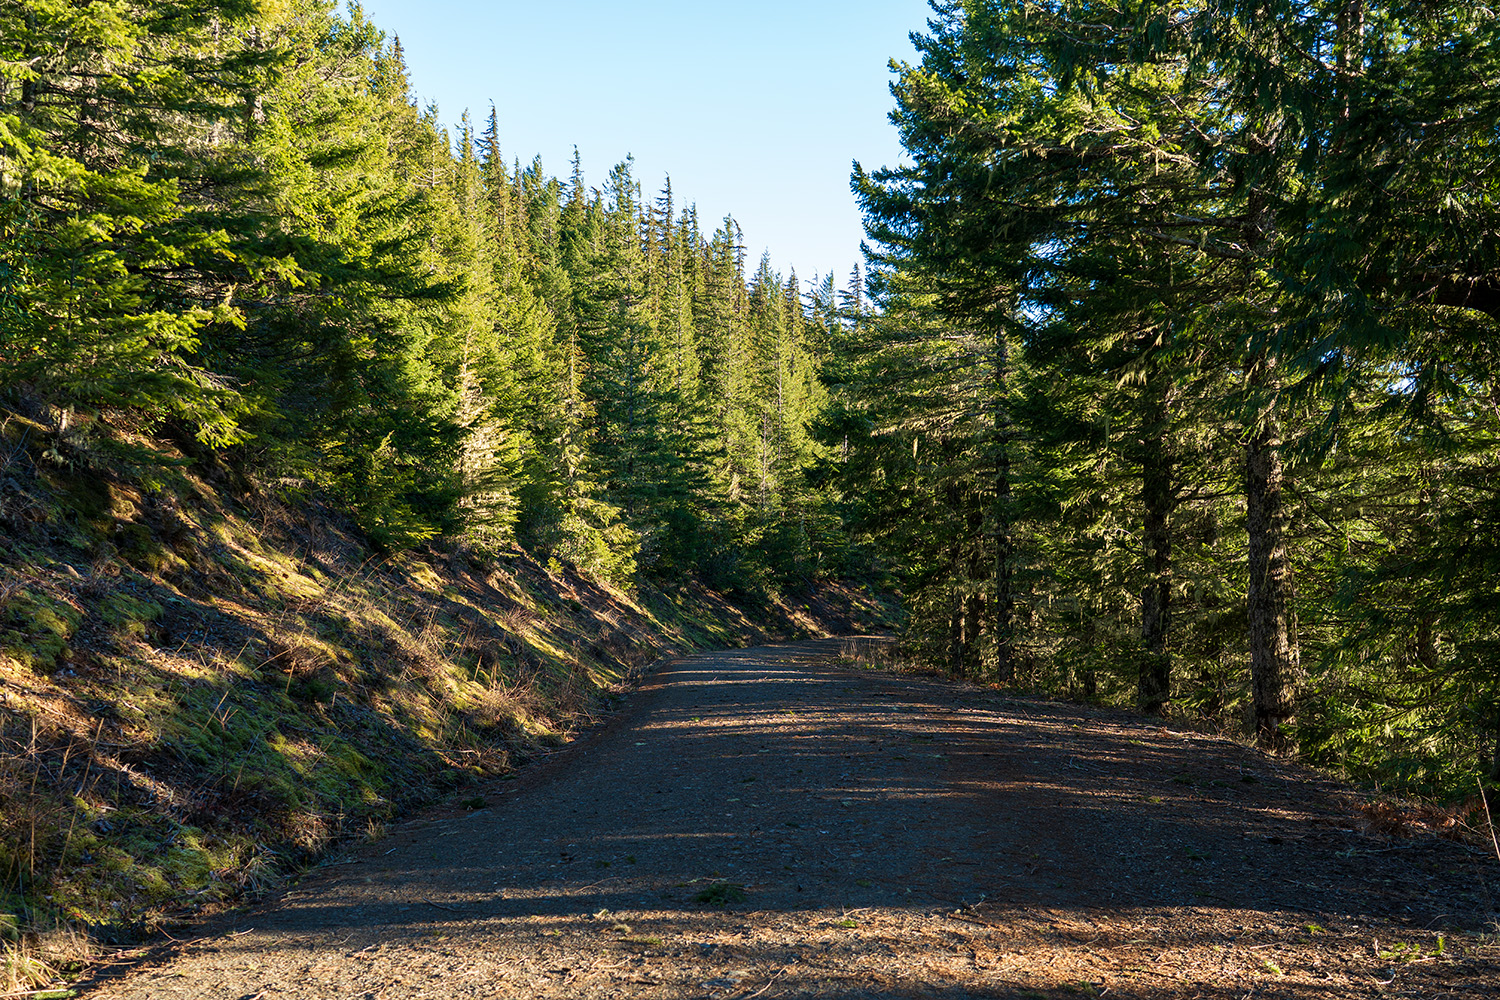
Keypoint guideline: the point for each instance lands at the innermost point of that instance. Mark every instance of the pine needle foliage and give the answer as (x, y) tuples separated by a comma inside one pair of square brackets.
[(1239, 262), (229, 234)]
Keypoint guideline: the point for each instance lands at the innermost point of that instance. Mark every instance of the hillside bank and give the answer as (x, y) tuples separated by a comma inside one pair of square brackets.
[(205, 686)]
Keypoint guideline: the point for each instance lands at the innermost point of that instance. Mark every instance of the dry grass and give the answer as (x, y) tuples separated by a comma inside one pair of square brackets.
[(883, 653), (21, 969), (1465, 821), (43, 959)]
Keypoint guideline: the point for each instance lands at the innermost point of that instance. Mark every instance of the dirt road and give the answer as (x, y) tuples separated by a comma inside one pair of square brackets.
[(762, 823)]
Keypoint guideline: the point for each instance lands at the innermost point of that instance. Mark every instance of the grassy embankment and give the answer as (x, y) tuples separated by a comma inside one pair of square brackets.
[(202, 688)]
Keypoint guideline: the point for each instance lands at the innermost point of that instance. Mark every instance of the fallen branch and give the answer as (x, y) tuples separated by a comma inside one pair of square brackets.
[(1490, 820)]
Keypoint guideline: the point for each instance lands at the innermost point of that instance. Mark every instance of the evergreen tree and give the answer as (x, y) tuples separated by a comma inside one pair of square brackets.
[(109, 114)]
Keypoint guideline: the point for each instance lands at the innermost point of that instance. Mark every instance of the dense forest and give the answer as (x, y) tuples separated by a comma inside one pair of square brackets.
[(1173, 380), (1183, 386), (227, 225)]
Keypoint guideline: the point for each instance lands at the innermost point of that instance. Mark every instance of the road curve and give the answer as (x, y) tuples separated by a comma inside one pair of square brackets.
[(766, 822)]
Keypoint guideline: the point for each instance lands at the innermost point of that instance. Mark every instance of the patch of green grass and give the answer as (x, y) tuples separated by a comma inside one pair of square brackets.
[(722, 894), (1403, 951)]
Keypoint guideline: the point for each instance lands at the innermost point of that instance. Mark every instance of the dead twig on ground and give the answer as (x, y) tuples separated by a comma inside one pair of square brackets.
[(612, 878), (768, 985)]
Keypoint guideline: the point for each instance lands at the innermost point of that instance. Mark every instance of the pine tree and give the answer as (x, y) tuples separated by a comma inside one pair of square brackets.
[(108, 114)]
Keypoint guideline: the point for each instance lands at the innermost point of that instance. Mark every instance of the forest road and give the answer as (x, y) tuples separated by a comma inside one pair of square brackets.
[(769, 823)]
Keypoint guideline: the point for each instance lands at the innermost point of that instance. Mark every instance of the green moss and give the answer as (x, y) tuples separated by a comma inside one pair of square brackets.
[(36, 629), (146, 862), (129, 615), (83, 500), (350, 763), (317, 688), (190, 862), (138, 545)]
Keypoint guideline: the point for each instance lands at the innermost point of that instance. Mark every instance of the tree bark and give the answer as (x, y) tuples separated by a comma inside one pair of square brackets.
[(1275, 658), (1155, 679), (1005, 656), (254, 112), (956, 628), (29, 85), (957, 565), (973, 598)]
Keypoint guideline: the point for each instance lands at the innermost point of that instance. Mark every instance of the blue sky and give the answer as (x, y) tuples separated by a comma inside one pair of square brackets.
[(755, 109)]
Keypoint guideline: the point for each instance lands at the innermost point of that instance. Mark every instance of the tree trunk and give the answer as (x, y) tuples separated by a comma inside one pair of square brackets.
[(1005, 656), (973, 599), (1275, 660), (1155, 680), (1426, 647), (957, 566), (254, 111), (29, 85), (956, 627), (1495, 762), (973, 625)]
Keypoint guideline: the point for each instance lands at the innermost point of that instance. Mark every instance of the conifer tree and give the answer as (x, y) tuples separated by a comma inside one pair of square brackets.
[(109, 114), (491, 367)]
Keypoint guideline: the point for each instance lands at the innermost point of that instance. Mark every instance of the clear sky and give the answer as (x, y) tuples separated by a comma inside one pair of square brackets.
[(755, 109)]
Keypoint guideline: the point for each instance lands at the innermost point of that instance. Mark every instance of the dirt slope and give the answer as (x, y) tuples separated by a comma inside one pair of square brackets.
[(870, 835)]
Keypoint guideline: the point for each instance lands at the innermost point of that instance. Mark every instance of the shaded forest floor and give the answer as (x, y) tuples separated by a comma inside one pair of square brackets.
[(203, 689), (775, 823)]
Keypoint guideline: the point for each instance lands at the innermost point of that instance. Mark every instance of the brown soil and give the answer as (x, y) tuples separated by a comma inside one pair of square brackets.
[(870, 835)]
